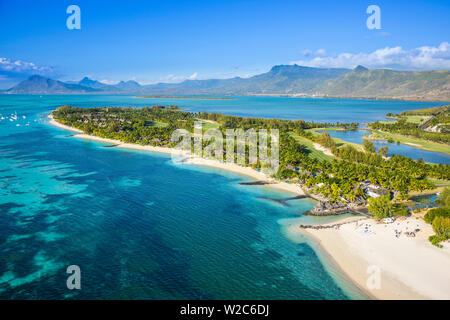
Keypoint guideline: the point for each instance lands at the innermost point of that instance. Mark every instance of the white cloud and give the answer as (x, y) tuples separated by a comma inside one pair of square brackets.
[(193, 76), (23, 67), (421, 58), (317, 53), (306, 53), (171, 78), (321, 53), (107, 81)]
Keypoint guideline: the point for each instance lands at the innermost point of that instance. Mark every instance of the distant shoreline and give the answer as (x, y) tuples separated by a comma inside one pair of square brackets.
[(293, 95), (231, 97), (186, 97)]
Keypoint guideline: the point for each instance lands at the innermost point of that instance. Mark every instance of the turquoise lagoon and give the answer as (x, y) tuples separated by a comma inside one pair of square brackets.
[(143, 227)]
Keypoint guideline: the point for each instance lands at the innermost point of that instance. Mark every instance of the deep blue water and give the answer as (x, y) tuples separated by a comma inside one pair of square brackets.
[(141, 226), (356, 136)]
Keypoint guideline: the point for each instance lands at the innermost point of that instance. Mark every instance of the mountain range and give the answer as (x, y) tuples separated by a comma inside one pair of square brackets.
[(292, 80)]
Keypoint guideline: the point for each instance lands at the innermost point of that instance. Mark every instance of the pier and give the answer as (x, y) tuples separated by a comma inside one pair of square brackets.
[(327, 226), (283, 201), (255, 183), (319, 211), (111, 146)]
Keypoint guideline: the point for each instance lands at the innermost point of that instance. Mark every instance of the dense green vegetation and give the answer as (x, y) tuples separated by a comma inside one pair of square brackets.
[(440, 218), (325, 140), (369, 146), (397, 173), (441, 226), (437, 118), (437, 212), (380, 207), (410, 129), (426, 111), (309, 148), (444, 197), (338, 180)]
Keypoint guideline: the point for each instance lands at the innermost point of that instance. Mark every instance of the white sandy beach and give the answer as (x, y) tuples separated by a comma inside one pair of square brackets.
[(410, 267), (247, 171)]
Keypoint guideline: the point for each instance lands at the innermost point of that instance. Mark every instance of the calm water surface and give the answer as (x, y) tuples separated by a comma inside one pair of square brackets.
[(142, 226), (356, 136)]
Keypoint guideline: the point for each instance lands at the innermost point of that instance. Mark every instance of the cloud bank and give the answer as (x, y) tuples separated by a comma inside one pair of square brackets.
[(13, 71), (421, 58), (22, 67)]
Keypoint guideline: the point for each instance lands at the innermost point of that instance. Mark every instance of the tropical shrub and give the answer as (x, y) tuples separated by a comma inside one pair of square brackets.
[(381, 207), (436, 212)]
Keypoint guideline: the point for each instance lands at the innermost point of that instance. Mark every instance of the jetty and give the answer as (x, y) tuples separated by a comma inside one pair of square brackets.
[(327, 226), (255, 183), (284, 200), (111, 146), (184, 160), (324, 208)]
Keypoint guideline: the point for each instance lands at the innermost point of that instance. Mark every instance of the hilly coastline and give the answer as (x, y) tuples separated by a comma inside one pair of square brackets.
[(291, 80)]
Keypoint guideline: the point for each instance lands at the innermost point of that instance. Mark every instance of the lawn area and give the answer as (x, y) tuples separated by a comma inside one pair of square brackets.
[(313, 152), (440, 186), (412, 119), (156, 124), (419, 143), (417, 119), (439, 182), (209, 124)]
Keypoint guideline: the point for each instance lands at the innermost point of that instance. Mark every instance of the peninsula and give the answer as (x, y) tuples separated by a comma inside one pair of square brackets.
[(341, 176)]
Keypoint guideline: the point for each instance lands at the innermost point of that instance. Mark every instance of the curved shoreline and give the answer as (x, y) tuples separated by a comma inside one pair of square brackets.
[(373, 137), (411, 144), (259, 176), (344, 248), (410, 268), (230, 167)]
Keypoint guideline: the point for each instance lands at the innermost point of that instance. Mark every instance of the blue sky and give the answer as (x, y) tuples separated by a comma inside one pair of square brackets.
[(169, 41)]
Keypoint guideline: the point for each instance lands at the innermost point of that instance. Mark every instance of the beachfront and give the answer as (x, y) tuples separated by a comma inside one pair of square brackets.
[(410, 267), (189, 159)]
